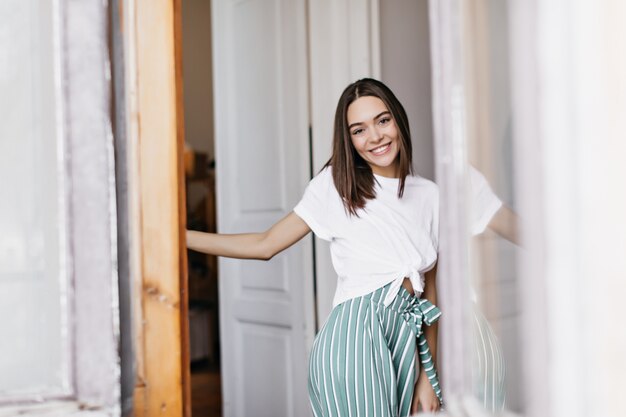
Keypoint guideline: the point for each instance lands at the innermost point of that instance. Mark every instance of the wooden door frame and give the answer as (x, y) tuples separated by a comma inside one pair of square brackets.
[(153, 78)]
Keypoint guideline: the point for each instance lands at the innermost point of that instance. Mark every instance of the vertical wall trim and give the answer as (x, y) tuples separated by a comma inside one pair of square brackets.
[(450, 162), (65, 268), (375, 39), (92, 206)]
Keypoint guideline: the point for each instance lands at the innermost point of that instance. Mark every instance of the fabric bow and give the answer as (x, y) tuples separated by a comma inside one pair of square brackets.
[(421, 311)]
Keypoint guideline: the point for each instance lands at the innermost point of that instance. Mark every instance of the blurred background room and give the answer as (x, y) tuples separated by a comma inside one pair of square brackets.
[(126, 122)]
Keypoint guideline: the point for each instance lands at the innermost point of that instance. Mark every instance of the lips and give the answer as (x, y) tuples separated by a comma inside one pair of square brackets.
[(381, 150)]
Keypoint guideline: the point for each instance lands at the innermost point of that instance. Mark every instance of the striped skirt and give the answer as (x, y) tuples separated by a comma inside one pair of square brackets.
[(488, 366), (363, 360)]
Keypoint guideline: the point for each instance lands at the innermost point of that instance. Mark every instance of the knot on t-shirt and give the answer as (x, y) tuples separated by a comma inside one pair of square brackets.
[(412, 272)]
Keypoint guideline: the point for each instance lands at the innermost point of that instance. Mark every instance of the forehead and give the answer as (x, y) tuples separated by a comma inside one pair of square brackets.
[(364, 109)]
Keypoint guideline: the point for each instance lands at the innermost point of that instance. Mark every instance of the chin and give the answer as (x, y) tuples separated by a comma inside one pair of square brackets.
[(382, 165), (386, 162)]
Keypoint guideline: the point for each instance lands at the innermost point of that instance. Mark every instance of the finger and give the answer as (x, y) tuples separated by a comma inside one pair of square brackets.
[(415, 405), (430, 407)]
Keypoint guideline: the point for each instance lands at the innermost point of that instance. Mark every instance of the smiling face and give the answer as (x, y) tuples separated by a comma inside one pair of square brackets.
[(374, 134)]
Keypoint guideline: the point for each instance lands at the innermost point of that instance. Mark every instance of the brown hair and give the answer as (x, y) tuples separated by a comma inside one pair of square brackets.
[(352, 175)]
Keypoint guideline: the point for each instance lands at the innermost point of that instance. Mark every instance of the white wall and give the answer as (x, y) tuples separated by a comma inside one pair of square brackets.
[(405, 68)]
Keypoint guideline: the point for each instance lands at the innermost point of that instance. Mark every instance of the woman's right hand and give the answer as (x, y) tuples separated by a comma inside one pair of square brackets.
[(424, 396)]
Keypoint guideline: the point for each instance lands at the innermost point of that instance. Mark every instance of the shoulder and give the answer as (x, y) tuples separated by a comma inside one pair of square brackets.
[(322, 183), (325, 174), (323, 178), (478, 182), (422, 186), (422, 192)]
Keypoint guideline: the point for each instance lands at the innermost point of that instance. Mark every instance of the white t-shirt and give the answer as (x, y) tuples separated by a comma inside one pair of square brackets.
[(483, 202), (391, 239)]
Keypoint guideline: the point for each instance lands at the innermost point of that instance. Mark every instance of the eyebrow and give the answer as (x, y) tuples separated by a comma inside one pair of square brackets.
[(360, 123)]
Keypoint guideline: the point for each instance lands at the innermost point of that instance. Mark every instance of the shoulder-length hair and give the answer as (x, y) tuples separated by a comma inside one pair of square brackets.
[(352, 176)]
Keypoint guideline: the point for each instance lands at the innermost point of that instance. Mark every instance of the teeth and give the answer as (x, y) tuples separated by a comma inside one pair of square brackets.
[(380, 149)]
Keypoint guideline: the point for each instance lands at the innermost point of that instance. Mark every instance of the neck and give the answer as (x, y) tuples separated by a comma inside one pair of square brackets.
[(389, 172)]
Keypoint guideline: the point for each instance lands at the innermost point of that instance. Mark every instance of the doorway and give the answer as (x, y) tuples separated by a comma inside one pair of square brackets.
[(261, 124), (204, 352)]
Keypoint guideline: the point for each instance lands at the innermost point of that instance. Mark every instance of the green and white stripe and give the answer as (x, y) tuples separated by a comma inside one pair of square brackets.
[(488, 366), (363, 360)]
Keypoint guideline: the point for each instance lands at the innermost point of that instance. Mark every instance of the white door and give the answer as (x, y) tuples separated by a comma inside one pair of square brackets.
[(262, 168), (59, 303)]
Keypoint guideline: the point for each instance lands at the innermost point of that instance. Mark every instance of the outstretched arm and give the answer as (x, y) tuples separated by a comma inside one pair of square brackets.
[(505, 223), (264, 246)]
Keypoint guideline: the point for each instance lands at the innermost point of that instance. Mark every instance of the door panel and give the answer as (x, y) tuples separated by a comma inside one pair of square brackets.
[(34, 277), (58, 227), (262, 168), (274, 396)]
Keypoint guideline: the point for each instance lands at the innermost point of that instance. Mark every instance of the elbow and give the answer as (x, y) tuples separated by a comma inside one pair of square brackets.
[(266, 252), (266, 257)]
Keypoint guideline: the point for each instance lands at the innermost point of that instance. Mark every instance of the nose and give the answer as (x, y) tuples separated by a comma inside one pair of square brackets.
[(377, 136)]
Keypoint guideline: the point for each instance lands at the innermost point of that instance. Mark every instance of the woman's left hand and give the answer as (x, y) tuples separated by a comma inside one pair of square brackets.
[(424, 395)]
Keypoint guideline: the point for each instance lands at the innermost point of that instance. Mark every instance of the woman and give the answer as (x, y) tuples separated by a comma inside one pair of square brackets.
[(373, 355), (488, 368)]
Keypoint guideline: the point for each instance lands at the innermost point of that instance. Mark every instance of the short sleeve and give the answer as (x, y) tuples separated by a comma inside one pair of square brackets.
[(434, 229), (313, 207), (484, 202)]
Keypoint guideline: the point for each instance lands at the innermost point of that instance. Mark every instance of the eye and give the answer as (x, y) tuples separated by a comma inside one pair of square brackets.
[(357, 132), (384, 121)]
